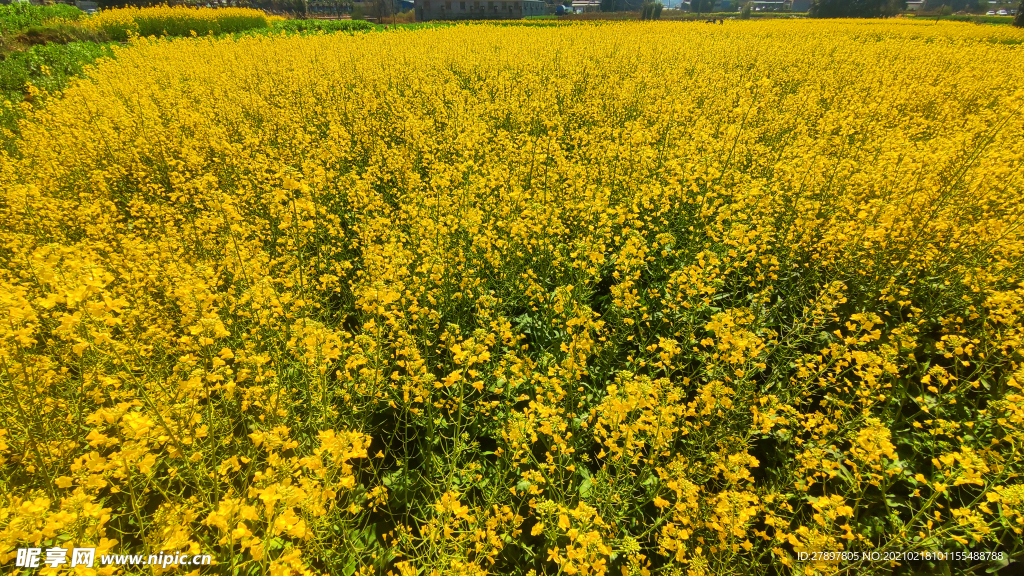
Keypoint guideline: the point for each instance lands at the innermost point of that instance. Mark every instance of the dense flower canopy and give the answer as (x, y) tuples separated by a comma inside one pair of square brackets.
[(627, 298)]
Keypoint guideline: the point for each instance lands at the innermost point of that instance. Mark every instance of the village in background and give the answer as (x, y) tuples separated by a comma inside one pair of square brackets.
[(408, 11)]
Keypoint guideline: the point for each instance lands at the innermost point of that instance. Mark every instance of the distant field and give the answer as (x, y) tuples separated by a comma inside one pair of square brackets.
[(971, 18), (674, 15), (544, 298)]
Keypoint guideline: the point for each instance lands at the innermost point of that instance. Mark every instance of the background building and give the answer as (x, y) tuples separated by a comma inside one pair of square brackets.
[(427, 10), (581, 6)]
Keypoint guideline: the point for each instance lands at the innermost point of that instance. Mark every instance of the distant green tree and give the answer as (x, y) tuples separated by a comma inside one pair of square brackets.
[(745, 13), (650, 10), (381, 9), (893, 7), (1019, 20), (701, 6), (609, 5)]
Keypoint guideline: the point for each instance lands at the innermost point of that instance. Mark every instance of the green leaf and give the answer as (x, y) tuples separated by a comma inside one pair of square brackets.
[(895, 501), (845, 473), (585, 488), (998, 565)]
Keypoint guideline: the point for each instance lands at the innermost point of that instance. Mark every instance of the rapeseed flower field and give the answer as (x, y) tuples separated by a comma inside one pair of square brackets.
[(123, 23), (633, 298)]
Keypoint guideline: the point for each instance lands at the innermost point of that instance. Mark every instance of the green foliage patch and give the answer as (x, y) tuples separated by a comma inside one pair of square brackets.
[(323, 25), (46, 68), (21, 15)]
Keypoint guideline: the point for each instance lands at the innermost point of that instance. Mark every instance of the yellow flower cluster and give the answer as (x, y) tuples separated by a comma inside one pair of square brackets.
[(122, 23), (637, 298)]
